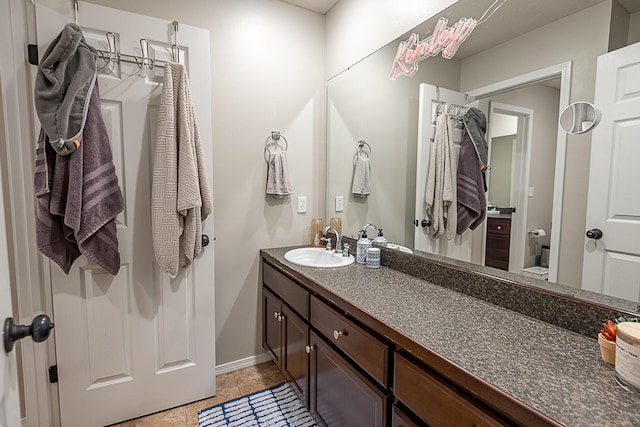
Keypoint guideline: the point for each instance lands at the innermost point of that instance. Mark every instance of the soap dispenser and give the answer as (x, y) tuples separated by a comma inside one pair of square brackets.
[(361, 249), (380, 240)]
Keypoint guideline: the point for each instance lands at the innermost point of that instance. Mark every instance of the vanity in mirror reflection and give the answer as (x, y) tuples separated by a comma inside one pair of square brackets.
[(523, 66)]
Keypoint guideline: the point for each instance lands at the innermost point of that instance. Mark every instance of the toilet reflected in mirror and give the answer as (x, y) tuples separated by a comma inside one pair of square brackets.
[(579, 117)]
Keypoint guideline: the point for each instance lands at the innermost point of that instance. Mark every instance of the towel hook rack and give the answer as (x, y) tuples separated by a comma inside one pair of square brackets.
[(113, 55), (274, 140)]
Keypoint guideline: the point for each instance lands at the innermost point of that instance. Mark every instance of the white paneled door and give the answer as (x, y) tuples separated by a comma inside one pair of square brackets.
[(9, 395), (612, 259), (9, 404), (430, 98), (138, 342)]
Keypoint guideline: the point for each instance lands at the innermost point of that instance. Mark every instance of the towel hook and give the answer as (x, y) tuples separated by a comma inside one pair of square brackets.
[(113, 49), (146, 60), (175, 49), (75, 10)]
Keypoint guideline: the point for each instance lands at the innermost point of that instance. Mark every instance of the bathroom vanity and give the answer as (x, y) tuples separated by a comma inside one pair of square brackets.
[(380, 347), (498, 241)]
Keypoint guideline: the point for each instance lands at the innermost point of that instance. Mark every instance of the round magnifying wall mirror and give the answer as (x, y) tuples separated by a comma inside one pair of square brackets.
[(579, 117)]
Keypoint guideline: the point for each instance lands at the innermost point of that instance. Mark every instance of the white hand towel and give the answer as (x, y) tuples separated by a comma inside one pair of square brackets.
[(278, 178), (362, 177)]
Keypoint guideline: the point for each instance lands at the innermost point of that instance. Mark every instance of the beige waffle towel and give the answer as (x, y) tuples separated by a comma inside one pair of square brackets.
[(180, 197), (440, 197)]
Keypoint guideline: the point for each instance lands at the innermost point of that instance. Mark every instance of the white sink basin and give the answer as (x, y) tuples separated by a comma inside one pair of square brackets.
[(399, 248), (317, 257)]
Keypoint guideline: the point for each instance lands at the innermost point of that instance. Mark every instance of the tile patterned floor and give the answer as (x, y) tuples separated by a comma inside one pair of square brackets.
[(228, 386)]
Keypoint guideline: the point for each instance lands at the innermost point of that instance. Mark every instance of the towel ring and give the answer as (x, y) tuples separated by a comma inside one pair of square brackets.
[(362, 147), (273, 140)]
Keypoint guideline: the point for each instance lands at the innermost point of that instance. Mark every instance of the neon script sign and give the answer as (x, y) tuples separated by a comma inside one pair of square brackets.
[(445, 40)]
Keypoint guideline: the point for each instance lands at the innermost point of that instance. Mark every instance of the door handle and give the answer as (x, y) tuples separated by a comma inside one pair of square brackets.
[(205, 240), (39, 329), (594, 234)]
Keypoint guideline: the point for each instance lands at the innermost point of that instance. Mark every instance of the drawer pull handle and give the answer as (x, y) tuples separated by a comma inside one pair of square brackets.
[(337, 334), (499, 227), (278, 316), (309, 349)]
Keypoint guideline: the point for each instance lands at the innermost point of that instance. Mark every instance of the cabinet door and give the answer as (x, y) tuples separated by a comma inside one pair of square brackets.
[(295, 363), (498, 243), (271, 326), (339, 395), (399, 418)]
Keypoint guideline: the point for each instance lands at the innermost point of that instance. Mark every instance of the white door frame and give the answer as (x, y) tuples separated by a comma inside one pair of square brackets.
[(562, 71), (522, 158), (16, 20)]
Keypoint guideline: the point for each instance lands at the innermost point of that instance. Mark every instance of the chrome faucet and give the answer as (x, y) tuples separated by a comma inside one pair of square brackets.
[(375, 229), (338, 237)]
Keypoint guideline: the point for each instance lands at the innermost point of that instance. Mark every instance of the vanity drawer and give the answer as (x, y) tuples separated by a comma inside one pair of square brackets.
[(293, 294), (365, 350), (435, 402), (499, 226)]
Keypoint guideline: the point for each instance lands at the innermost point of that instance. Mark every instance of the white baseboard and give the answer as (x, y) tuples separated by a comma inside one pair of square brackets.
[(242, 363)]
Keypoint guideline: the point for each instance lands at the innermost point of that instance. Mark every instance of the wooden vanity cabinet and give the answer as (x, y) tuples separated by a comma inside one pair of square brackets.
[(349, 375), (333, 375), (498, 242)]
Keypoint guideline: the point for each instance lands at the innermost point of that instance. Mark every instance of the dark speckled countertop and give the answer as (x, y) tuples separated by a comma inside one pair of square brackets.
[(555, 371)]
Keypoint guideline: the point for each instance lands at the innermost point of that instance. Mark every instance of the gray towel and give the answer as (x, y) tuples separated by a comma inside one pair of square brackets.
[(361, 185), (63, 86), (180, 196), (79, 197), (475, 123), (278, 178), (472, 205)]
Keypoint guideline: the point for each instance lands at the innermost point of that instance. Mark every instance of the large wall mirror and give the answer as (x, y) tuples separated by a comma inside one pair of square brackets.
[(522, 68)]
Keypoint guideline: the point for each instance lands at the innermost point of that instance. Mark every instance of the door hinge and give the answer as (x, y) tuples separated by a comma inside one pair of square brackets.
[(53, 374), (32, 54)]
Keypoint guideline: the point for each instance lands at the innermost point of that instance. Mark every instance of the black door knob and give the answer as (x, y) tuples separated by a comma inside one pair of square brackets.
[(205, 240), (425, 223), (594, 234), (39, 329)]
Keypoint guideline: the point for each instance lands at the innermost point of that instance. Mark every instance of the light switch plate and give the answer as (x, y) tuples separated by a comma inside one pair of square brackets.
[(532, 191), (339, 203), (302, 204)]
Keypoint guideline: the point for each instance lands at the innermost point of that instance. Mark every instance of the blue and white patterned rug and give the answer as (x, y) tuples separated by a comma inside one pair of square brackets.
[(274, 406)]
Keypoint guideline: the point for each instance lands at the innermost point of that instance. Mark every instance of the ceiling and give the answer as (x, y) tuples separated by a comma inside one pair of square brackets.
[(631, 5), (320, 6), (323, 6)]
